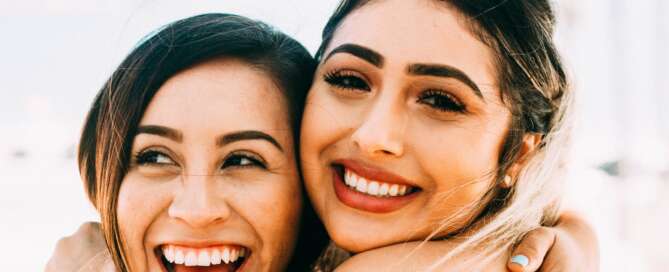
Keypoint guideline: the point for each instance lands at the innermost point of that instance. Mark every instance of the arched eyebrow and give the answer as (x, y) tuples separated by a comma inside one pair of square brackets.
[(247, 135), (162, 131), (177, 136), (359, 51), (441, 70)]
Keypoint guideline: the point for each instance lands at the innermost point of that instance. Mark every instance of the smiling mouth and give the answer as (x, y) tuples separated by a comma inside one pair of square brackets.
[(225, 258), (372, 195)]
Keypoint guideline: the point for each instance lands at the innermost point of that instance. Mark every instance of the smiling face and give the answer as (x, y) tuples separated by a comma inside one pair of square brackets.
[(213, 179), (403, 125)]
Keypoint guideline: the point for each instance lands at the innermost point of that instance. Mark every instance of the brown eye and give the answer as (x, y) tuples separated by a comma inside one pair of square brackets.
[(346, 80), (441, 101), (153, 157), (243, 160)]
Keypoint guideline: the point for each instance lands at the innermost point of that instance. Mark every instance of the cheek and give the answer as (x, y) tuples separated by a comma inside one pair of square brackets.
[(461, 160), (272, 207), (320, 127), (140, 202)]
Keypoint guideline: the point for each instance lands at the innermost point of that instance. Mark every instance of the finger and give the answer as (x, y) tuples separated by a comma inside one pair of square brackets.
[(530, 253)]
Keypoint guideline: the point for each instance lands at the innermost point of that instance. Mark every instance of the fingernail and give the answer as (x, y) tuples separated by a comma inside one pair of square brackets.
[(520, 260)]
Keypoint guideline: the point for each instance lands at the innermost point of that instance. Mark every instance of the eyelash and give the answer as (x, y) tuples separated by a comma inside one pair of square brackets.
[(346, 80), (441, 101), (150, 157), (236, 159)]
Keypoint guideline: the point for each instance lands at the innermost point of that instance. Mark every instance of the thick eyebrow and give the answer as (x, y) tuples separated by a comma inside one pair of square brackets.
[(166, 132), (440, 70), (359, 51), (247, 135)]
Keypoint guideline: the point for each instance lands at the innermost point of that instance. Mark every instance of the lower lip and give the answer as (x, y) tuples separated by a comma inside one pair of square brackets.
[(361, 201)]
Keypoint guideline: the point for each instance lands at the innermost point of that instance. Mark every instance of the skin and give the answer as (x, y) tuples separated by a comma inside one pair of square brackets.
[(356, 126), (196, 192), (394, 125)]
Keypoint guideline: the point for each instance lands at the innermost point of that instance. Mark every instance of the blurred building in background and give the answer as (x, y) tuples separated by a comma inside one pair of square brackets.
[(57, 53)]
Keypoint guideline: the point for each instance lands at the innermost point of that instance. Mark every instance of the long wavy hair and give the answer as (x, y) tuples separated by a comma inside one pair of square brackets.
[(534, 87)]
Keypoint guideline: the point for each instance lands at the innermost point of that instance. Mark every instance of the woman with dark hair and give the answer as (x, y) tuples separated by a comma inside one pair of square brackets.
[(439, 122), (181, 139), (188, 151)]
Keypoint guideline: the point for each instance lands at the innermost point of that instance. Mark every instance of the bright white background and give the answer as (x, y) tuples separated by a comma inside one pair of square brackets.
[(55, 54)]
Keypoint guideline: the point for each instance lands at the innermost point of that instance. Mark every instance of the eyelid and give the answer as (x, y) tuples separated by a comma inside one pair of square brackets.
[(157, 149), (336, 74), (246, 153)]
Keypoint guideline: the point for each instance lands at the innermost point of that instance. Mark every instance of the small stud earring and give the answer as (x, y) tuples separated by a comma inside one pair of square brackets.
[(507, 181)]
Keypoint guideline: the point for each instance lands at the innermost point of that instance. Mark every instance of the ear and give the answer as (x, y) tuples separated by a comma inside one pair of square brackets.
[(530, 143)]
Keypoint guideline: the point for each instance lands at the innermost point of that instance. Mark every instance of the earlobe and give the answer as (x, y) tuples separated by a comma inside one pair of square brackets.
[(530, 143)]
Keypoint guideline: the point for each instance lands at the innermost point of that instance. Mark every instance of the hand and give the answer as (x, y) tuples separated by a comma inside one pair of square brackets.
[(569, 246), (83, 251)]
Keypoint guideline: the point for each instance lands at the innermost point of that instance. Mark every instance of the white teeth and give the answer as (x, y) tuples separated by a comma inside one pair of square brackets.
[(361, 186), (383, 190), (203, 258), (226, 255), (374, 188), (234, 254), (191, 259), (168, 251), (215, 256), (178, 256), (393, 190)]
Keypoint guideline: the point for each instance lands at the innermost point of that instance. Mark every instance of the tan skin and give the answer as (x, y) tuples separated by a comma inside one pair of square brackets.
[(189, 186), (442, 134), (347, 135)]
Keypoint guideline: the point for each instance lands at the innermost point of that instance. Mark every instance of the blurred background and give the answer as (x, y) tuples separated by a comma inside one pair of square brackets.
[(55, 54)]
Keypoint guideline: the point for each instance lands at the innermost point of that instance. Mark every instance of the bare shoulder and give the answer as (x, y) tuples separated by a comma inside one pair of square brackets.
[(417, 256)]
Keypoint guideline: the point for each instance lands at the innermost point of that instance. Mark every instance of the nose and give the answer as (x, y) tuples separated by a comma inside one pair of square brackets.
[(381, 133), (197, 204)]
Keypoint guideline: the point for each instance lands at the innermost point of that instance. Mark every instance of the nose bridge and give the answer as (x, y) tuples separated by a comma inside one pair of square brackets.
[(382, 129), (197, 203)]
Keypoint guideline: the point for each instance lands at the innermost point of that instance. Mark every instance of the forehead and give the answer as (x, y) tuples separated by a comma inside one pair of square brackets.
[(221, 96), (418, 32)]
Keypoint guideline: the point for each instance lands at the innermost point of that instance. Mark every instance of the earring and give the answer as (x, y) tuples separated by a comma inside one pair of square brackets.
[(507, 181)]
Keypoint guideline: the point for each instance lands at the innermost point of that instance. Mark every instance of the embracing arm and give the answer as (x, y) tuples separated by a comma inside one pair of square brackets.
[(571, 245), (83, 251)]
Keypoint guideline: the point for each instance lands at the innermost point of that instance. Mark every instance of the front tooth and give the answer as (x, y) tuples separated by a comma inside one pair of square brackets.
[(178, 256), (373, 188), (234, 254), (362, 185), (393, 190), (203, 258), (403, 190), (215, 256), (226, 255), (191, 258), (383, 190)]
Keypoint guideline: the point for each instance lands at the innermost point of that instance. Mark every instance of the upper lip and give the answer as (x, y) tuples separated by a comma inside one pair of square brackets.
[(373, 173)]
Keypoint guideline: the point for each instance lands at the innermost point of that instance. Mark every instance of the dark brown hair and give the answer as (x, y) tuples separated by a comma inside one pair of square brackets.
[(530, 75), (111, 124)]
